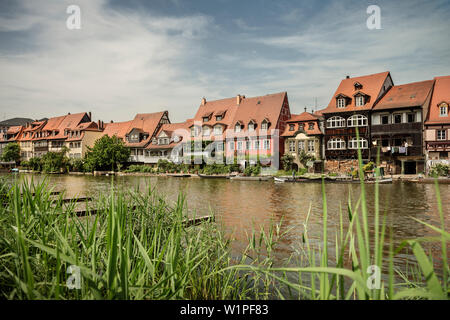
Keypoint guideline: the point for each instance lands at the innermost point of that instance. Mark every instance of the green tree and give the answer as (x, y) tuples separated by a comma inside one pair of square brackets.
[(107, 154), (287, 160), (11, 152), (55, 161), (304, 158)]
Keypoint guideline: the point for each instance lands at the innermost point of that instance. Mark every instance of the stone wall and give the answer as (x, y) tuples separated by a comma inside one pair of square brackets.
[(340, 166)]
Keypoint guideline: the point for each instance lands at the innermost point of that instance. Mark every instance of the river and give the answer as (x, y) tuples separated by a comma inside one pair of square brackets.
[(242, 205)]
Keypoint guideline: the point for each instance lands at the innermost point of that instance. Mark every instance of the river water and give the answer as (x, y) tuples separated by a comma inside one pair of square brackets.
[(241, 206)]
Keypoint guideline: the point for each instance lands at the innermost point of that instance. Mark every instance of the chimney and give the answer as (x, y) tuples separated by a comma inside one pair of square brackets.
[(90, 115), (203, 101), (305, 109), (239, 99), (112, 121), (347, 77)]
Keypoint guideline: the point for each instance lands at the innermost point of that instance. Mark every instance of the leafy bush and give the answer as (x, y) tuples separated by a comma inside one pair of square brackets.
[(35, 164), (11, 152), (53, 162), (440, 170), (369, 166), (107, 154), (76, 165)]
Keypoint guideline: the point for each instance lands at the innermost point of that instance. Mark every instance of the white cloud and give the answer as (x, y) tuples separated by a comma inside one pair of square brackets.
[(116, 65)]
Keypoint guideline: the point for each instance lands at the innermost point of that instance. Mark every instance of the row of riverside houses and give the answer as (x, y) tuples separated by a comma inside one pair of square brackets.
[(407, 125)]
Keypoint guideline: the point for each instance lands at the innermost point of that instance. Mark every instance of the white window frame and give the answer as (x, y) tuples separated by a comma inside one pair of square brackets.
[(441, 135), (239, 146), (336, 122), (237, 127), (357, 120), (336, 144), (341, 103), (311, 146), (231, 146), (443, 106), (291, 146), (264, 125), (217, 130), (359, 101), (251, 127), (301, 145), (266, 144), (206, 131), (354, 143)]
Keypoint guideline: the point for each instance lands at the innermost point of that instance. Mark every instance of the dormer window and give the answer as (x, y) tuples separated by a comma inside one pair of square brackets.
[(311, 126), (291, 127), (206, 131), (341, 103), (264, 125), (218, 130), (205, 119), (443, 110), (251, 125), (219, 118), (359, 101), (237, 127), (358, 86)]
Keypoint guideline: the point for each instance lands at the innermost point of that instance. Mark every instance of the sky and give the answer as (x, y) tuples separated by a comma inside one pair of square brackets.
[(142, 56)]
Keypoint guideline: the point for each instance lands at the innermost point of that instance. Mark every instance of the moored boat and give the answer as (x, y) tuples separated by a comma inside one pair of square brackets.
[(242, 178), (213, 176)]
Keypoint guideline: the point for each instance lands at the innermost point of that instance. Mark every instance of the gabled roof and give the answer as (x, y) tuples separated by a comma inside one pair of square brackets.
[(306, 118), (147, 122), (182, 130), (441, 93), (407, 95), (62, 124), (372, 86)]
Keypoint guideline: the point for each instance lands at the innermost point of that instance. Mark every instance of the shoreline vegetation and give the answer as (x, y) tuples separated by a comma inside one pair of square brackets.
[(145, 252)]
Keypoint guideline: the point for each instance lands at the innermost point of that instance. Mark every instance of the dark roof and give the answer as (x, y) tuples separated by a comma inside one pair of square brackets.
[(15, 122)]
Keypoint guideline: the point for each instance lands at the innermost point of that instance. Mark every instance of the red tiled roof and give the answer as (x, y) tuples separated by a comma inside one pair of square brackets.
[(181, 128), (441, 93), (119, 129), (371, 86), (406, 95), (305, 118), (258, 109)]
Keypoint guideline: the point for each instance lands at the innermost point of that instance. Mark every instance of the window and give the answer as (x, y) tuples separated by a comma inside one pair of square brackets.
[(239, 145), (384, 119), (359, 101), (354, 143), (357, 120), (291, 146), (291, 127), (443, 110), (206, 131), (218, 130), (251, 126), (440, 135), (336, 144), (219, 118), (301, 126), (397, 118), (336, 122), (247, 145), (311, 146), (310, 126), (341, 103), (237, 127), (411, 117), (205, 119), (266, 144), (264, 125), (301, 145), (219, 146), (231, 145)]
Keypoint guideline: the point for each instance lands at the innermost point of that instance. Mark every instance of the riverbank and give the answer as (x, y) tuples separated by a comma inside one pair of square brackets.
[(405, 178)]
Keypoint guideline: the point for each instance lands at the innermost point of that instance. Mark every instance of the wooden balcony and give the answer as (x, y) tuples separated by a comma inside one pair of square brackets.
[(443, 145), (396, 128), (410, 151)]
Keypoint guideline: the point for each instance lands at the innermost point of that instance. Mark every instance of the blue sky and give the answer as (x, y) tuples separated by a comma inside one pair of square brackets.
[(146, 56)]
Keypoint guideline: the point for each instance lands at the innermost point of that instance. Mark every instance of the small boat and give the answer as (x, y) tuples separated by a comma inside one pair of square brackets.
[(380, 181), (14, 170), (213, 176), (242, 178), (279, 179), (179, 175)]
